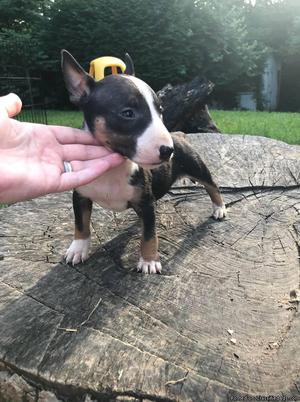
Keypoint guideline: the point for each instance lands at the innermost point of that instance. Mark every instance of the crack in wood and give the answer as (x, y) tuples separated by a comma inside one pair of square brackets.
[(178, 319), (134, 306), (27, 294)]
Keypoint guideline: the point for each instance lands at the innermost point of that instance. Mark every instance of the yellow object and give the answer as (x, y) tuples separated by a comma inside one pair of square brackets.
[(98, 66)]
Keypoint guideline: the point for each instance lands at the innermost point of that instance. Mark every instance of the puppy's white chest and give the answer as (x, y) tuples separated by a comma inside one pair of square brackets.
[(112, 190)]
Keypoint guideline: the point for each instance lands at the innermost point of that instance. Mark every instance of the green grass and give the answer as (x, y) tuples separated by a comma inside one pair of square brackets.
[(65, 118), (281, 126)]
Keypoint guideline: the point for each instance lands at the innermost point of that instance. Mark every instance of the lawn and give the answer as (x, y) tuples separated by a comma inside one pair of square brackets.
[(282, 126), (65, 118)]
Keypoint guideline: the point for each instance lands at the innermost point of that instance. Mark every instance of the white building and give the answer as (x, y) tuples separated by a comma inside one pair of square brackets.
[(270, 88), (271, 83)]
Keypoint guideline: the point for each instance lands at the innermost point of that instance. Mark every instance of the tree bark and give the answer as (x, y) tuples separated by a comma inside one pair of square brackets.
[(185, 109)]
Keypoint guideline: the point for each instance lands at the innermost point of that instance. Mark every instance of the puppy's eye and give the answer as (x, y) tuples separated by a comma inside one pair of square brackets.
[(128, 114), (161, 109)]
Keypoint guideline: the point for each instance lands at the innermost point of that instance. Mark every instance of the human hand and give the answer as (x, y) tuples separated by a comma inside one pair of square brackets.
[(32, 156)]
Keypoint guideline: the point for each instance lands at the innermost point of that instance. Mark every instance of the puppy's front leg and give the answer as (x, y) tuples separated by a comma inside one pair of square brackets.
[(149, 261), (79, 248)]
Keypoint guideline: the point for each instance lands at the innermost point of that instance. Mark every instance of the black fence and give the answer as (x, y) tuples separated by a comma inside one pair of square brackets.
[(29, 89), (34, 113)]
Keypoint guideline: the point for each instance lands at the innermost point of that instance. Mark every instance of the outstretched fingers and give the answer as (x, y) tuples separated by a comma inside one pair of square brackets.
[(82, 152), (68, 135), (83, 172)]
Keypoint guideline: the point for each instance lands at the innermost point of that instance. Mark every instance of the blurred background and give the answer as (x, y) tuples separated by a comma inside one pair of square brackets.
[(249, 49)]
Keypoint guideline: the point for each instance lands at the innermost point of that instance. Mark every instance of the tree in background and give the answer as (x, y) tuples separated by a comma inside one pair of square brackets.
[(19, 45), (20, 50), (169, 40)]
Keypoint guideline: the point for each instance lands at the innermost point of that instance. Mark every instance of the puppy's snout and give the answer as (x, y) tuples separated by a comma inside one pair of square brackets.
[(165, 152)]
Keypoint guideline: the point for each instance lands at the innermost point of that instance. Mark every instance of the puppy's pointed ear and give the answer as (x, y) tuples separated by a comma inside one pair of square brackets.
[(129, 65), (78, 82)]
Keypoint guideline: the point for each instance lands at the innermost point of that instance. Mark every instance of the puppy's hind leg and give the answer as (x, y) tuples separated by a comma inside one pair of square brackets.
[(196, 169), (79, 248), (204, 177)]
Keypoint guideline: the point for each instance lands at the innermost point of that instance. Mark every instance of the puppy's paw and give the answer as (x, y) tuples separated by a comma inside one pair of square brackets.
[(149, 267), (78, 251), (219, 211)]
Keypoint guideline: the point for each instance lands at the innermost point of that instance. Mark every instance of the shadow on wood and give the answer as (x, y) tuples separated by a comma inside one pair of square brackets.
[(219, 321)]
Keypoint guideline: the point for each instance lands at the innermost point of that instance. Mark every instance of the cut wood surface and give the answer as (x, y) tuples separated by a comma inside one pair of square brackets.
[(222, 319)]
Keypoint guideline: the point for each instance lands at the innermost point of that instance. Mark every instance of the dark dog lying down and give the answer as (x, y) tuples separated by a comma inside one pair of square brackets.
[(124, 114)]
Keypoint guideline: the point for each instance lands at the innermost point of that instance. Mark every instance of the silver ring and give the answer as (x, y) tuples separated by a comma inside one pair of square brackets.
[(67, 167)]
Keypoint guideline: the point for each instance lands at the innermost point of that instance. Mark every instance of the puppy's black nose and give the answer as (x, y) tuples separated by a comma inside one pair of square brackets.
[(165, 152)]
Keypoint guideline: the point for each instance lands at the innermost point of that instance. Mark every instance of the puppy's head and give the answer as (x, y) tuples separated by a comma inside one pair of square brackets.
[(121, 111)]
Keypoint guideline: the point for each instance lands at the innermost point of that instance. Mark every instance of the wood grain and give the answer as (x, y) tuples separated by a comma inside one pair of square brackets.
[(102, 328)]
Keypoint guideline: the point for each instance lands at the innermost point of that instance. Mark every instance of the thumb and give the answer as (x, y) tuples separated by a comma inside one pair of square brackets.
[(10, 104)]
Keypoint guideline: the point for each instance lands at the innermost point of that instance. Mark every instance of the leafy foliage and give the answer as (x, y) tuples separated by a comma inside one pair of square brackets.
[(169, 40)]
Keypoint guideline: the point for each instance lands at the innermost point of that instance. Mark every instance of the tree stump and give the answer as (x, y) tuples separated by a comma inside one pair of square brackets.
[(221, 321), (185, 108)]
